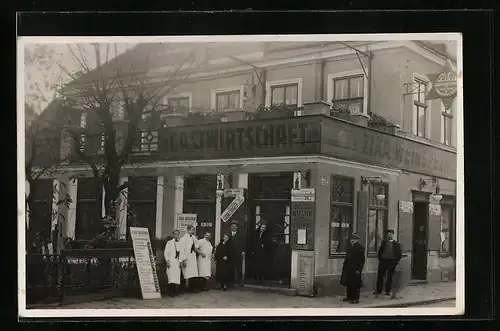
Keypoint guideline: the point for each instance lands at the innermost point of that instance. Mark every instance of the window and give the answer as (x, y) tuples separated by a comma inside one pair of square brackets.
[(285, 94), (178, 105), (146, 141), (377, 216), (227, 100), (420, 108), (447, 118), (141, 200), (348, 93), (447, 224), (341, 225), (88, 209)]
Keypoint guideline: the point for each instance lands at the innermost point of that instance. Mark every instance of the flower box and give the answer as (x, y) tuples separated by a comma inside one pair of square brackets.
[(236, 115), (173, 119), (387, 128), (342, 115), (360, 119)]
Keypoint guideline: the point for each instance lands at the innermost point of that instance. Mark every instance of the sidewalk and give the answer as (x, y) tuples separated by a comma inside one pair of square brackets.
[(412, 295)]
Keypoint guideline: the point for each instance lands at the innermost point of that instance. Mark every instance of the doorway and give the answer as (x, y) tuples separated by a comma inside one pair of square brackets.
[(270, 201), (419, 252)]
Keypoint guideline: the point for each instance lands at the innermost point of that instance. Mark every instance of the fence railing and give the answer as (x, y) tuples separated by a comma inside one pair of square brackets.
[(84, 275)]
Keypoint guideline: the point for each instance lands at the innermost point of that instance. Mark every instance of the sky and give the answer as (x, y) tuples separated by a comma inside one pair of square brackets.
[(41, 76)]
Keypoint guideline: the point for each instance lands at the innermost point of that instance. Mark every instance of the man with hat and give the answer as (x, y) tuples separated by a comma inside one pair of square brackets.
[(389, 255), (351, 271), (238, 244)]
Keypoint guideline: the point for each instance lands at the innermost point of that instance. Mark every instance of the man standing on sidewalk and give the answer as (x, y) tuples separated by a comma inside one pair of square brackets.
[(238, 244), (351, 271), (389, 255)]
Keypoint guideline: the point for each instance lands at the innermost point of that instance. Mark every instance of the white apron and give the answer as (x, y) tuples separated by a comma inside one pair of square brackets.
[(174, 271), (185, 254), (205, 263)]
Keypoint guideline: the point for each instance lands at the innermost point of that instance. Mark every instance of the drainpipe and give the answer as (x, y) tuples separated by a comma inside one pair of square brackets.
[(263, 80), (369, 97), (322, 82)]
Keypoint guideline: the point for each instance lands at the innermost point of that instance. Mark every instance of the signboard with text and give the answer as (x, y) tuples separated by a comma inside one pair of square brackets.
[(146, 263), (444, 85), (184, 220), (306, 273), (302, 219), (232, 208)]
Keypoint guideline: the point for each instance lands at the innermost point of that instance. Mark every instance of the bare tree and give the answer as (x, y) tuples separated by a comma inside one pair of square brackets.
[(118, 98)]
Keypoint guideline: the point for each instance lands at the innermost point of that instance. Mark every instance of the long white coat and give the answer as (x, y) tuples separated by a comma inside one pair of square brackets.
[(185, 254), (174, 270), (205, 263)]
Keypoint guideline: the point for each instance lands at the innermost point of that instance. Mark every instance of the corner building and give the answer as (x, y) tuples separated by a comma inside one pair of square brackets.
[(312, 147)]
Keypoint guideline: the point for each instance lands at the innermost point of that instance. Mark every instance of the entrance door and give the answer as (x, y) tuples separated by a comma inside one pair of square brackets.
[(277, 217), (419, 255)]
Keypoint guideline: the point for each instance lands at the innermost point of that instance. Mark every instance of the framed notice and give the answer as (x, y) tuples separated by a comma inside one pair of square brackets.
[(306, 273), (302, 219), (184, 220), (146, 263)]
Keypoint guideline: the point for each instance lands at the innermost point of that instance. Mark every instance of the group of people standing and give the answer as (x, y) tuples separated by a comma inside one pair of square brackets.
[(189, 260), (389, 255)]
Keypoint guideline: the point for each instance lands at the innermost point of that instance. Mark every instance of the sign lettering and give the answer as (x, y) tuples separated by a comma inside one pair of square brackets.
[(232, 208), (146, 263)]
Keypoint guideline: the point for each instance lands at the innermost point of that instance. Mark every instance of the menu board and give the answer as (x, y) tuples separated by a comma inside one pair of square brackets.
[(306, 273), (146, 263)]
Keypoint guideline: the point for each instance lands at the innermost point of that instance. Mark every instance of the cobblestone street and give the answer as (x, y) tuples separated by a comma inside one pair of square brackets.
[(413, 295)]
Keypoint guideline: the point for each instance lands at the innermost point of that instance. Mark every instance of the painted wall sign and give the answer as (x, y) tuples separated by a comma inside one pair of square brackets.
[(146, 263), (306, 273), (356, 143), (233, 192), (302, 195), (260, 138)]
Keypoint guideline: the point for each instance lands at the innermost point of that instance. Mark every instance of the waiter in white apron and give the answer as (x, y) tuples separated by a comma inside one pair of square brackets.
[(172, 254)]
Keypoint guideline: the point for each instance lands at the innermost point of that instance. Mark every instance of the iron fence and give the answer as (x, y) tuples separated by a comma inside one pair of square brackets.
[(83, 275)]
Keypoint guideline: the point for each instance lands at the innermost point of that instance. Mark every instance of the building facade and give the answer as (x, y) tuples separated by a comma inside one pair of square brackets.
[(348, 158)]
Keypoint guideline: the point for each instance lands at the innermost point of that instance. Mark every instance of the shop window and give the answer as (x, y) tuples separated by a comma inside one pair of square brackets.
[(88, 209), (341, 219), (141, 200), (447, 226), (377, 216)]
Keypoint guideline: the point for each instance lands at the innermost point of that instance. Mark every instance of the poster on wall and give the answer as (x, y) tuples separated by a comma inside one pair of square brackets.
[(146, 263), (302, 219), (334, 245), (306, 273), (183, 220)]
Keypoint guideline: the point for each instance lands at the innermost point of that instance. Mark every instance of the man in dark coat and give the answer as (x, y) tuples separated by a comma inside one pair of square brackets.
[(237, 239), (351, 271), (389, 255)]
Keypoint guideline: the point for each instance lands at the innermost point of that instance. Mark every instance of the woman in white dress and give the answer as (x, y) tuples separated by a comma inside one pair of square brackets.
[(172, 254), (187, 256), (205, 250)]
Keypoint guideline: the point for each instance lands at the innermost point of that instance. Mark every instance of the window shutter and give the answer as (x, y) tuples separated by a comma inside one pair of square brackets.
[(434, 243), (362, 216), (405, 225)]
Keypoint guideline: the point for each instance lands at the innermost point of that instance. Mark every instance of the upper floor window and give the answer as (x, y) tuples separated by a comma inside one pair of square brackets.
[(146, 141), (348, 93), (180, 103), (420, 111), (285, 94), (446, 120), (227, 100)]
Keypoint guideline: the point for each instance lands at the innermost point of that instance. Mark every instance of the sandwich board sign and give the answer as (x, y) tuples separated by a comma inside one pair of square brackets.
[(146, 263)]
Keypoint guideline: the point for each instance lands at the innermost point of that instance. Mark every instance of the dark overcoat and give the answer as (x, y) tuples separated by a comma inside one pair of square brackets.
[(223, 269), (353, 266)]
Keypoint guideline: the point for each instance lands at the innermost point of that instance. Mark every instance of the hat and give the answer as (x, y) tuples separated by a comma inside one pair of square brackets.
[(390, 231), (233, 222), (354, 236)]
